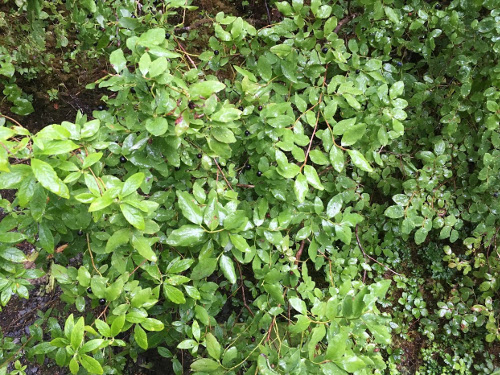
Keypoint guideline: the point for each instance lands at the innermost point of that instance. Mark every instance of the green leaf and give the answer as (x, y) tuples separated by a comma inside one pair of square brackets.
[(204, 268), (173, 294), (298, 304), (223, 135), (158, 66), (213, 346), (396, 89), (73, 366), (312, 177), (334, 206), (100, 203), (92, 345), (420, 235), (226, 114), (46, 175), (205, 89), (205, 364), (394, 212), (77, 333), (45, 238), (359, 161), (140, 336), (187, 235), (117, 325), (281, 50), (227, 266), (117, 239), (117, 59), (189, 207), (211, 214), (143, 247), (157, 126), (12, 254), (352, 363), (151, 324), (300, 187), (239, 242), (344, 233), (275, 291), (132, 184), (391, 14), (133, 216), (152, 37), (91, 159)]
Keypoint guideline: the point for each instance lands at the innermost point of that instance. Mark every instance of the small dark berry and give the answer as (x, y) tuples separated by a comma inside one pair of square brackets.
[(77, 31), (191, 105), (177, 168), (495, 195), (437, 6), (260, 108), (199, 156), (100, 107), (89, 290), (247, 133), (132, 90), (167, 35), (133, 16), (216, 52), (399, 63), (102, 301), (262, 331), (241, 108), (248, 166), (123, 159), (80, 232), (259, 173), (282, 256), (324, 50), (252, 339), (357, 71), (89, 15)]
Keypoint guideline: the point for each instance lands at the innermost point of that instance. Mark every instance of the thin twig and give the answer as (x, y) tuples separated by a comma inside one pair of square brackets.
[(186, 53), (299, 252), (245, 186), (317, 121), (369, 257), (136, 268), (243, 289), (271, 328), (91, 256), (223, 175), (194, 25), (343, 21), (268, 14), (12, 120)]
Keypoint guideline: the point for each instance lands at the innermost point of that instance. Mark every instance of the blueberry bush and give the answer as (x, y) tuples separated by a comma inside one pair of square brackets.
[(313, 195)]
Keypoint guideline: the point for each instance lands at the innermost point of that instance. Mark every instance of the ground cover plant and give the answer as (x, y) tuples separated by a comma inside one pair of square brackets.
[(312, 189)]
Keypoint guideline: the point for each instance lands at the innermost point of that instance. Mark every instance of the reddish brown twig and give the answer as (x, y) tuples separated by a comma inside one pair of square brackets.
[(299, 252), (223, 175), (245, 186), (243, 289), (271, 328), (343, 21), (368, 256)]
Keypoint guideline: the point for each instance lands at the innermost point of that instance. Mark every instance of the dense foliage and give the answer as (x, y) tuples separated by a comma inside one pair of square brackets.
[(303, 197)]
